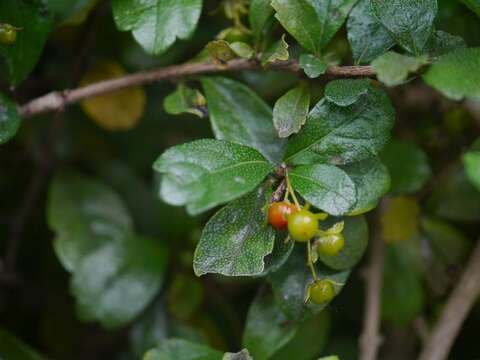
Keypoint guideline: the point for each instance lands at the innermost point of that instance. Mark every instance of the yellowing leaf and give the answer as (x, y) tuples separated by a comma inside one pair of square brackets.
[(120, 110), (401, 219)]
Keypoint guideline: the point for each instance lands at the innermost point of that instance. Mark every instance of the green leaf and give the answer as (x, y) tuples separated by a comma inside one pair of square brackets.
[(455, 198), (372, 181), (393, 69), (242, 50), (35, 23), (259, 16), (220, 51), (356, 241), (178, 349), (267, 328), (290, 284), (12, 348), (408, 166), (278, 51), (238, 114), (471, 160), (410, 22), (473, 5), (9, 119), (115, 273), (312, 65), (118, 280), (236, 239), (346, 92), (312, 23), (456, 74), (326, 187), (441, 43), (156, 24), (280, 253), (339, 134), (447, 242), (309, 340), (332, 357), (366, 35), (205, 173), (290, 111), (398, 309), (184, 100), (75, 203)]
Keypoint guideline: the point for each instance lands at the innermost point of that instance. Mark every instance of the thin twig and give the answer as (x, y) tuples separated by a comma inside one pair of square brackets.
[(59, 99), (371, 339), (455, 312)]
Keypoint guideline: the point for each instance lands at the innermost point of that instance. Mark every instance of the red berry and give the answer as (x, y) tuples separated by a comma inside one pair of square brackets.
[(278, 213)]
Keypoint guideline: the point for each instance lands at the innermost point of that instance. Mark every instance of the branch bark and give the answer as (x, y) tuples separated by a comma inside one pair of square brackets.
[(57, 100), (455, 312), (371, 339)]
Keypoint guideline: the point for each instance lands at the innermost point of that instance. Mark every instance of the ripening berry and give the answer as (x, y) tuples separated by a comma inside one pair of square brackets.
[(278, 213), (302, 225), (321, 291)]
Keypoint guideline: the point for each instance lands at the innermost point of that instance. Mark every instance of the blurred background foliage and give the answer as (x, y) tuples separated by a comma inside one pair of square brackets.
[(431, 217)]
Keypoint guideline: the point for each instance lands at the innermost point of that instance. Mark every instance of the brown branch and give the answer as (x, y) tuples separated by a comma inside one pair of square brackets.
[(371, 339), (57, 100), (455, 312)]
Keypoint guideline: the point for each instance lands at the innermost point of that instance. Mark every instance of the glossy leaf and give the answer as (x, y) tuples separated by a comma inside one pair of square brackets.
[(278, 51), (238, 114), (267, 328), (455, 198), (356, 241), (242, 50), (9, 119), (312, 65), (12, 348), (393, 69), (372, 181), (35, 23), (312, 23), (409, 22), (117, 281), (236, 239), (326, 187), (259, 16), (205, 173), (178, 349), (366, 35), (408, 166), (120, 110), (156, 24), (456, 74), (290, 283), (343, 134), (290, 111), (346, 92)]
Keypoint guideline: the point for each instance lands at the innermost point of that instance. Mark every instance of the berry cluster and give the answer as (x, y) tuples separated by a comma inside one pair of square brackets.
[(304, 227)]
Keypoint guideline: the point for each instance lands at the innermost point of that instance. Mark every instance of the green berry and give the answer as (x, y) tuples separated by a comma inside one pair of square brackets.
[(321, 291), (302, 225), (331, 245)]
